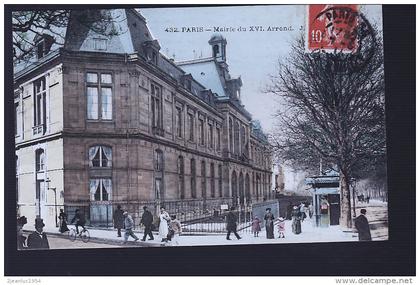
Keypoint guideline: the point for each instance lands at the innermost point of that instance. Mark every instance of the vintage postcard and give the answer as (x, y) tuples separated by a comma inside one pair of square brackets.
[(199, 126)]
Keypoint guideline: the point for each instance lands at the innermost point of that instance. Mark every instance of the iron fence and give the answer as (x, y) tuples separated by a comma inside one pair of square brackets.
[(196, 216)]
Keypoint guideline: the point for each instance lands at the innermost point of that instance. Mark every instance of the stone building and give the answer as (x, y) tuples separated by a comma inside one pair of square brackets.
[(108, 120)]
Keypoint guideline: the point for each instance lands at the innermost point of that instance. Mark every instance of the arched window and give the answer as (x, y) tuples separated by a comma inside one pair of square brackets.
[(234, 188), (181, 182), (212, 182), (237, 146), (203, 179), (193, 173), (100, 156), (241, 188), (243, 140), (220, 181), (215, 50), (40, 159), (247, 188)]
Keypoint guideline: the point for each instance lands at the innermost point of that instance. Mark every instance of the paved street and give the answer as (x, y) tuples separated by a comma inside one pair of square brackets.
[(63, 242), (377, 215)]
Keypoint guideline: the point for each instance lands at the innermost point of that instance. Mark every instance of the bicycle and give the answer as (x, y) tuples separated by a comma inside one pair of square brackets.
[(84, 235)]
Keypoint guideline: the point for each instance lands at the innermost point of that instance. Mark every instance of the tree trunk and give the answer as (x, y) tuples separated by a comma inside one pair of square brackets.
[(345, 217)]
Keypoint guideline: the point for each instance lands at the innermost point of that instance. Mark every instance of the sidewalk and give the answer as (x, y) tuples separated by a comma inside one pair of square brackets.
[(309, 234)]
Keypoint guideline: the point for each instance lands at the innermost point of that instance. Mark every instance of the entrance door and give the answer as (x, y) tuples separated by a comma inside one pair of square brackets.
[(40, 198), (334, 201)]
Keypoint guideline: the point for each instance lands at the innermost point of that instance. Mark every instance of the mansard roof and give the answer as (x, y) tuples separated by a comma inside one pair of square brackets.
[(128, 34)]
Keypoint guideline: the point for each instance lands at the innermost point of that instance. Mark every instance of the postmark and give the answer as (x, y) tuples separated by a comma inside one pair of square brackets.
[(343, 31)]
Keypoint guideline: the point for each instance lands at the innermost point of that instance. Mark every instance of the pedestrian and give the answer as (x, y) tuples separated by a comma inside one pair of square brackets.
[(38, 239), (163, 224), (128, 225), (311, 210), (367, 199), (281, 227), (63, 221), (362, 225), (118, 220), (256, 227), (296, 225), (269, 223), (21, 239), (147, 221), (80, 220), (231, 224), (302, 210), (175, 230)]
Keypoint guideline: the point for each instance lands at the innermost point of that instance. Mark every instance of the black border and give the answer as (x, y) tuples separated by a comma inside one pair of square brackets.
[(393, 257)]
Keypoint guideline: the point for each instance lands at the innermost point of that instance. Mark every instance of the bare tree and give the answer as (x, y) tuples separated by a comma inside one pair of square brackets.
[(27, 25), (332, 108)]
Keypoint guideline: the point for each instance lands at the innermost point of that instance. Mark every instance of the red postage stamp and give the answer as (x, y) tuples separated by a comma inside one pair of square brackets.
[(332, 27)]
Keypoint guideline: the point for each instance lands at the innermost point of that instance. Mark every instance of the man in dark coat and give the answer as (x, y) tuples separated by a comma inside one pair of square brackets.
[(269, 223), (118, 220), (147, 221), (38, 239), (362, 225), (21, 239), (231, 224)]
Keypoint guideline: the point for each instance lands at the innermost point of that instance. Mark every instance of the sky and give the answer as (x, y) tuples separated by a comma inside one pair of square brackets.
[(253, 55)]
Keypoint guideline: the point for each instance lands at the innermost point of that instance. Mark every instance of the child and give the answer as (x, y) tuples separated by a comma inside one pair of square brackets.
[(281, 227), (256, 228), (174, 230)]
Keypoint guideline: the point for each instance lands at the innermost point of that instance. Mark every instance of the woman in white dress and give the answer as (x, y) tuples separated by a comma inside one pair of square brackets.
[(163, 225)]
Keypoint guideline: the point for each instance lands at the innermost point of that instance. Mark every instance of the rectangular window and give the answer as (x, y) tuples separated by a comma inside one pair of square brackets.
[(100, 44), (193, 185), (17, 119), (201, 130), (218, 138), (157, 120), (158, 188), (220, 181), (178, 122), (203, 180), (99, 96), (92, 103), (191, 126), (211, 145), (106, 103), (100, 189), (212, 182), (40, 114)]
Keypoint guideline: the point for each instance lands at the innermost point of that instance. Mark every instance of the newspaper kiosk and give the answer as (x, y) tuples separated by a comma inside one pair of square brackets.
[(326, 198)]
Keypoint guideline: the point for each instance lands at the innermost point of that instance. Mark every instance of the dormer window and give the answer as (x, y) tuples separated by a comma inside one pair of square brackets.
[(215, 50), (154, 57), (188, 84), (151, 51), (100, 44), (40, 50), (43, 45)]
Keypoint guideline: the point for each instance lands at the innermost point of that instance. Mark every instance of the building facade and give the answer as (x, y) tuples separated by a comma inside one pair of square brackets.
[(110, 120)]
